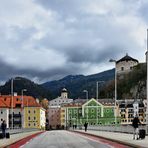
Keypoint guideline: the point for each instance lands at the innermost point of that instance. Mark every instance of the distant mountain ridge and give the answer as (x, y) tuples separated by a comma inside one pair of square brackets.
[(75, 84), (33, 89)]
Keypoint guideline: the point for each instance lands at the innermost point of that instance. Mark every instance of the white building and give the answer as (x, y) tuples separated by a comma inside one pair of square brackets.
[(42, 118), (4, 112), (54, 116)]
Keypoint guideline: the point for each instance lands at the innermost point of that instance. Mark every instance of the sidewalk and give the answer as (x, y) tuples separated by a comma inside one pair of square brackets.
[(123, 138), (15, 137)]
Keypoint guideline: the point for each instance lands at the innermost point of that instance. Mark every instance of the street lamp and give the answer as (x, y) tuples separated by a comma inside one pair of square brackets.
[(147, 86), (87, 101), (97, 96), (111, 60), (12, 94), (23, 90), (98, 82)]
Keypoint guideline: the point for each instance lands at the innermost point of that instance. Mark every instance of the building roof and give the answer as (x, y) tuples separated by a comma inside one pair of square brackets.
[(29, 101), (127, 58), (64, 90), (3, 104), (106, 102)]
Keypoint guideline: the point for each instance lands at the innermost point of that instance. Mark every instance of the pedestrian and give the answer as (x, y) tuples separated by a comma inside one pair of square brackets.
[(3, 128), (135, 124), (73, 126), (85, 126)]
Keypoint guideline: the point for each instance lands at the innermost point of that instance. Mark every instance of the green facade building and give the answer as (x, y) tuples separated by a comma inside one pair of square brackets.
[(92, 111)]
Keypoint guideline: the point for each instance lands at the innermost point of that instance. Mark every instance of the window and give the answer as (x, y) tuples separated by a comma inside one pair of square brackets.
[(28, 124), (34, 124), (29, 111), (131, 68), (122, 68), (4, 99), (1, 112), (34, 118), (34, 111), (75, 111), (28, 118)]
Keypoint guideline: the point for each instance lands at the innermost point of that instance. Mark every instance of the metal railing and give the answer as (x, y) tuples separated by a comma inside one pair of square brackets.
[(114, 128)]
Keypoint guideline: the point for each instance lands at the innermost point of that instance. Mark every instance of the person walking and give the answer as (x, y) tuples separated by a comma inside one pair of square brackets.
[(3, 128), (85, 126), (135, 124)]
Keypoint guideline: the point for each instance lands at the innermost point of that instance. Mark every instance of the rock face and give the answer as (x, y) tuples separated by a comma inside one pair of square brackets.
[(139, 91)]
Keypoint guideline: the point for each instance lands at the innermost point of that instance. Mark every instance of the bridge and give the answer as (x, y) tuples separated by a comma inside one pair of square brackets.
[(115, 136)]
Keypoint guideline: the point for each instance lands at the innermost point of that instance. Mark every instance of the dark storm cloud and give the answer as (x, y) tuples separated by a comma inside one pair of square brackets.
[(50, 39)]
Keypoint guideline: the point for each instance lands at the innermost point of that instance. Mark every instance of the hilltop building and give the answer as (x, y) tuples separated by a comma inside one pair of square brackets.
[(125, 64)]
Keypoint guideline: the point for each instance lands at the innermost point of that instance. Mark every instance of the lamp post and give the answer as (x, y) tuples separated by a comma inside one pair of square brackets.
[(147, 86), (97, 96), (111, 60), (23, 119), (87, 100), (12, 94)]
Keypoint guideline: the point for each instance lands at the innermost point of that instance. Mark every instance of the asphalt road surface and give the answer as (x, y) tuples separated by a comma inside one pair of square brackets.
[(63, 139)]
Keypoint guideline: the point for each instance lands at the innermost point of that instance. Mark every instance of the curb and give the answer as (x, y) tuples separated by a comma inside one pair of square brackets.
[(23, 140), (114, 140)]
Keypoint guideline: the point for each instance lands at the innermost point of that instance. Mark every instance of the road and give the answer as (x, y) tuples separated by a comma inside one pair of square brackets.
[(64, 139)]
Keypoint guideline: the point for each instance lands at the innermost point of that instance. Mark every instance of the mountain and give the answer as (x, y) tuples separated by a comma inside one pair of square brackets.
[(75, 84), (33, 89)]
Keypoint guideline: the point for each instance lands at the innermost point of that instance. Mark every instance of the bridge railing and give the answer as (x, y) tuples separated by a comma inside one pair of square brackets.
[(114, 128), (21, 130)]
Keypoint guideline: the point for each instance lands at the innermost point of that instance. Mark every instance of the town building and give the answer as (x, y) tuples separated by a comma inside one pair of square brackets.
[(54, 116), (4, 111), (23, 112), (126, 110), (94, 112), (34, 113)]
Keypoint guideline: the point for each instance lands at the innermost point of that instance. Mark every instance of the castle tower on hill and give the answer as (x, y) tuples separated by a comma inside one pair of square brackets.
[(126, 64), (64, 93)]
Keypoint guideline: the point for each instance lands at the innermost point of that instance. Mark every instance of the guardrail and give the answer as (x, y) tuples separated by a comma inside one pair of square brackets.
[(114, 128), (16, 131)]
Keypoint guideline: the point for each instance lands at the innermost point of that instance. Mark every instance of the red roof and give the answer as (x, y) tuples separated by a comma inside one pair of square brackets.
[(17, 101), (3, 104)]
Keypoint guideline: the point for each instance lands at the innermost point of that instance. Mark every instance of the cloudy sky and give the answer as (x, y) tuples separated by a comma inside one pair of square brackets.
[(48, 39)]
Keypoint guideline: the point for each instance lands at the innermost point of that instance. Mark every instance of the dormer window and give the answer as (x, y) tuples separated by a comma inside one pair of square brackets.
[(4, 99)]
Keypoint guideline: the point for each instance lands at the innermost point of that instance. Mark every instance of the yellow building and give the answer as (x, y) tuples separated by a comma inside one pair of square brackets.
[(63, 117), (34, 114)]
